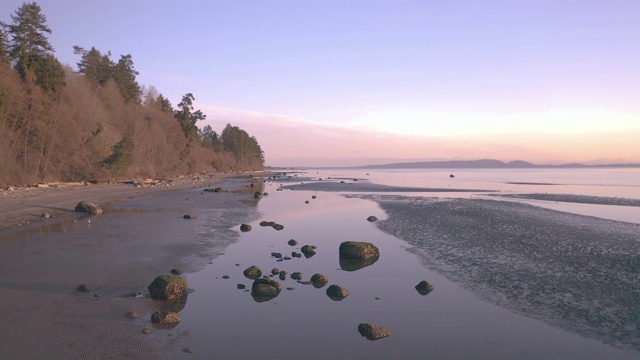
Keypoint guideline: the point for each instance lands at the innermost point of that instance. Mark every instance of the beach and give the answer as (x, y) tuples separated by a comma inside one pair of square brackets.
[(512, 280), (142, 234)]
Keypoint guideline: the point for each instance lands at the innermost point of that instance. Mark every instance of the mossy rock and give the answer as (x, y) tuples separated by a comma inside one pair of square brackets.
[(358, 250), (165, 318), (168, 287), (252, 272)]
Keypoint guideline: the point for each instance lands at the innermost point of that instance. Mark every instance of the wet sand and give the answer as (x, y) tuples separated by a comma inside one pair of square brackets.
[(141, 235), (578, 199), (574, 272)]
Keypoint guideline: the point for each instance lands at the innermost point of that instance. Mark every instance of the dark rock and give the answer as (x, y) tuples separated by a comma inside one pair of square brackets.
[(84, 288), (218, 189), (358, 250), (424, 288), (275, 271), (190, 216), (337, 293), (277, 255), (452, 176), (226, 277), (296, 276), (313, 196), (282, 275), (296, 255), (372, 219), (177, 271), (245, 227), (267, 223), (265, 194), (257, 194), (292, 242), (291, 288), (373, 332), (168, 287), (240, 286), (252, 272), (265, 289), (308, 250), (165, 318), (278, 227), (91, 208), (287, 258), (306, 202), (319, 280), (187, 350), (356, 264)]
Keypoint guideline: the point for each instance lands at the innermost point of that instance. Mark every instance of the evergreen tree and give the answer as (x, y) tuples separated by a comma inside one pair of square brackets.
[(165, 104), (125, 76), (49, 74), (187, 117), (97, 67), (4, 46)]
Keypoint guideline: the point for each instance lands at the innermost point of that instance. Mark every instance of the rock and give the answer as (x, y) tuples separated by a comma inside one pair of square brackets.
[(177, 271), (337, 293), (265, 194), (277, 255), (306, 202), (373, 332), (287, 258), (265, 289), (296, 276), (252, 272), (165, 318), (245, 227), (275, 271), (308, 251), (358, 250), (226, 277), (424, 288), (296, 255), (240, 286), (218, 189), (267, 223), (147, 331), (45, 215), (282, 275), (187, 350), (131, 314), (84, 288), (313, 196), (319, 280), (91, 208), (278, 227), (452, 176), (291, 288), (190, 216), (168, 287), (356, 264), (372, 219), (292, 242)]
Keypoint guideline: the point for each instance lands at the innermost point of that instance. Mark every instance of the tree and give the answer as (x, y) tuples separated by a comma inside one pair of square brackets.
[(165, 104), (31, 50), (125, 76), (4, 46), (97, 67), (188, 118), (238, 142), (210, 139)]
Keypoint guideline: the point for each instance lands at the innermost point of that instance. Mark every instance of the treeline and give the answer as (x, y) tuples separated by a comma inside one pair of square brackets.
[(98, 123)]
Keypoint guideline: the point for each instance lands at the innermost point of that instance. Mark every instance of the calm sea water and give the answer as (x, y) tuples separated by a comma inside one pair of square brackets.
[(451, 322)]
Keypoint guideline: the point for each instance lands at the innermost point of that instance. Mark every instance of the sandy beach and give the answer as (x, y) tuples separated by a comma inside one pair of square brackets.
[(117, 254)]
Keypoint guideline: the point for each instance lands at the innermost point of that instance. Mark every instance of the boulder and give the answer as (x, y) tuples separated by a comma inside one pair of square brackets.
[(168, 287), (267, 223), (296, 276), (308, 251), (265, 289), (373, 332), (91, 208), (245, 227), (165, 318), (337, 293), (424, 288), (252, 272), (275, 271), (282, 275), (372, 219), (278, 227), (319, 280), (292, 242), (358, 250)]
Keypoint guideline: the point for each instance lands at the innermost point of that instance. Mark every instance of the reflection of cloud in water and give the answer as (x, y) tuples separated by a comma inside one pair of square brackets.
[(578, 273)]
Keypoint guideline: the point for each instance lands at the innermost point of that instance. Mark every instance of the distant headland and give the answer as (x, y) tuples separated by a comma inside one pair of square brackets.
[(488, 164)]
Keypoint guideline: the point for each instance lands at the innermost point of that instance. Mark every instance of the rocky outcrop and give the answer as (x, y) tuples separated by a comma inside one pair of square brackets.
[(373, 332), (252, 272), (337, 293), (358, 250), (91, 208), (168, 287)]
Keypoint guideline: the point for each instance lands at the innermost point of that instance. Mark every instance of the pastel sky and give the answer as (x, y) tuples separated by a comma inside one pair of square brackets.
[(323, 83)]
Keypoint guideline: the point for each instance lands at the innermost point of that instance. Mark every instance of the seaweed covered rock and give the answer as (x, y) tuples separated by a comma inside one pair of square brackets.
[(165, 318), (168, 287), (88, 207), (358, 250)]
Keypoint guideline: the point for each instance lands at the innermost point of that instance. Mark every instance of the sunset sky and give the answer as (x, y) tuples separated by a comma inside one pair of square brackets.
[(323, 83)]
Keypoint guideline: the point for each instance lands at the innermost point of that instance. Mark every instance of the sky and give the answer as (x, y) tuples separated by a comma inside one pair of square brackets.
[(342, 83)]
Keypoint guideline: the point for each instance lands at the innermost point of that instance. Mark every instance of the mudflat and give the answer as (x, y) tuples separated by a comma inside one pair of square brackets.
[(142, 234)]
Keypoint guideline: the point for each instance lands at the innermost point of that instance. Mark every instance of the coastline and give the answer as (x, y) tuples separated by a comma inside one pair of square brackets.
[(117, 254)]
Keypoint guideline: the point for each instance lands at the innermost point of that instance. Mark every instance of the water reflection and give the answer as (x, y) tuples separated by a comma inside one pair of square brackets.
[(357, 264)]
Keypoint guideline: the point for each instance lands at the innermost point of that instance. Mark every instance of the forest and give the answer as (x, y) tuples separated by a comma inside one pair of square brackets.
[(97, 123)]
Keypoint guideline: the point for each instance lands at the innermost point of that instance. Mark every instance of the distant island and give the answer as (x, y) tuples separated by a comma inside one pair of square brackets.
[(488, 164)]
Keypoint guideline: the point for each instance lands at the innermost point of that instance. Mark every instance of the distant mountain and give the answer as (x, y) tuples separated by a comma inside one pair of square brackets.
[(487, 164)]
